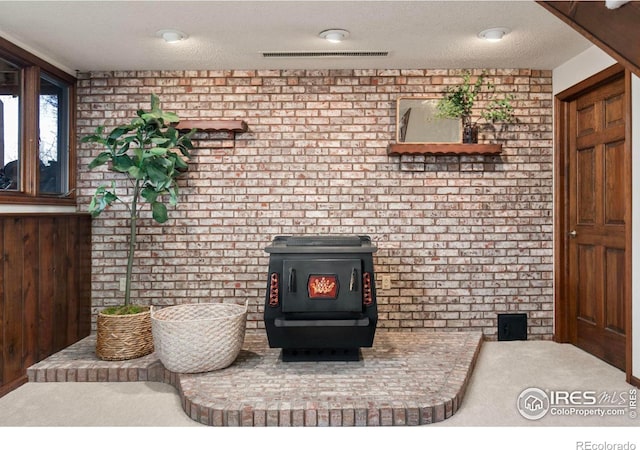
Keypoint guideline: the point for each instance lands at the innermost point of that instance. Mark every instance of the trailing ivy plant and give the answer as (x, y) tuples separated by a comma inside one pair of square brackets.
[(459, 101), (151, 154)]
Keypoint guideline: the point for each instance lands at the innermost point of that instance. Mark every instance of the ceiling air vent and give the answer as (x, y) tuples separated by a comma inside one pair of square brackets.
[(349, 54)]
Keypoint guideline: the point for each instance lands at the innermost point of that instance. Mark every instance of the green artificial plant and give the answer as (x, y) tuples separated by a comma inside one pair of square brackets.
[(459, 101), (151, 154)]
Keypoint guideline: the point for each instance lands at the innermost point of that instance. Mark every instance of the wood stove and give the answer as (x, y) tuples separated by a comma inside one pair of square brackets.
[(321, 298)]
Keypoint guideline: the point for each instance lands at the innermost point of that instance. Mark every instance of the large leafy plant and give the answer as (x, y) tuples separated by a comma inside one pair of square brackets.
[(459, 101), (151, 154)]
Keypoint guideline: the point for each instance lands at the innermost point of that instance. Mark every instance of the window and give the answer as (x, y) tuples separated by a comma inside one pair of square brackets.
[(37, 151), (9, 126), (54, 137)]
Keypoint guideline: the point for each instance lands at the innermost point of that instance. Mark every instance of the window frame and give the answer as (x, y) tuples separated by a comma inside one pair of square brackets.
[(32, 67)]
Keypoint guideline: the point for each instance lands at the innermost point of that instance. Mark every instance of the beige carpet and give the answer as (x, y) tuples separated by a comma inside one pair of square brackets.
[(505, 369)]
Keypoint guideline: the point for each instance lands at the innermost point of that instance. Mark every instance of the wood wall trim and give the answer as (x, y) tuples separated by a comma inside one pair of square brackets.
[(13, 53), (602, 77), (615, 31), (560, 244), (629, 226), (30, 129), (43, 214), (18, 198), (6, 388)]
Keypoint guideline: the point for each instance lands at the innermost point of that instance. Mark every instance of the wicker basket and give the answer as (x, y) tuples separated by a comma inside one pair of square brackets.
[(123, 337), (199, 337)]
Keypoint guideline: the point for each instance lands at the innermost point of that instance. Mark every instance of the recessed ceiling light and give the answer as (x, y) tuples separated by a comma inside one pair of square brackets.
[(493, 34), (172, 36), (334, 35)]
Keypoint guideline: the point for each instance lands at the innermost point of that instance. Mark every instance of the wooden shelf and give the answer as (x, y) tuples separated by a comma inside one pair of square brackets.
[(444, 149), (237, 126)]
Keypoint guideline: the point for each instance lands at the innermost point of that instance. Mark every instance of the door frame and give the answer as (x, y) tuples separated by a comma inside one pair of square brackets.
[(561, 202)]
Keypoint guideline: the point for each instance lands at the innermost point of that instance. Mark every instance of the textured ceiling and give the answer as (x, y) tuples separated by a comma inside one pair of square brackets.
[(121, 35)]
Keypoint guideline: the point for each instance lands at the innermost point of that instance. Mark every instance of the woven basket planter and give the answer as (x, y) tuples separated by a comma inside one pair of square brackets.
[(124, 337), (199, 337)]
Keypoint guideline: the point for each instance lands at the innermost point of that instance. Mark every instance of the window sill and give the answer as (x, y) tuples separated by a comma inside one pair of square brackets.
[(7, 198), (37, 209)]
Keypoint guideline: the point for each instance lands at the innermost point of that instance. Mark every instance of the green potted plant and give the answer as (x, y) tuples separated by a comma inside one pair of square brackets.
[(459, 101), (151, 154)]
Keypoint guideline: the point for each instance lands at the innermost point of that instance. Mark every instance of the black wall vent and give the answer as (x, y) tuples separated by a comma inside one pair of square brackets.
[(349, 54), (512, 327)]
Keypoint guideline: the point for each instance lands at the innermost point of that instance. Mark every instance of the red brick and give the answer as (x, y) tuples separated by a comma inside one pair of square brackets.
[(324, 135)]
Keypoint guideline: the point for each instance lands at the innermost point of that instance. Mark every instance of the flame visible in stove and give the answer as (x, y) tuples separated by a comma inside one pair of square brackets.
[(322, 286)]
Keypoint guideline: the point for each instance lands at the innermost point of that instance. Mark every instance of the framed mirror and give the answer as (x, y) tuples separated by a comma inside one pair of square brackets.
[(416, 122)]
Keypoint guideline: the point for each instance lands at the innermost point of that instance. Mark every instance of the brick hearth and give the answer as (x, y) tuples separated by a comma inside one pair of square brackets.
[(407, 378)]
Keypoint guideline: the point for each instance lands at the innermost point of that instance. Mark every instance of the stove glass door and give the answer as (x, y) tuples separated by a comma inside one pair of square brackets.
[(322, 285)]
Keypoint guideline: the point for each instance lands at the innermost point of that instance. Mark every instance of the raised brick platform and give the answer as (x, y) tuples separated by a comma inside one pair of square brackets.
[(407, 378)]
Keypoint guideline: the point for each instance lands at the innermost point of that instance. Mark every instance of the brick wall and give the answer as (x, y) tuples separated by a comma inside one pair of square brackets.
[(463, 238)]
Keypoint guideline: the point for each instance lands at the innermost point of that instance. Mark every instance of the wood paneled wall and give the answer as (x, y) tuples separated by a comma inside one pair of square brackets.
[(45, 289)]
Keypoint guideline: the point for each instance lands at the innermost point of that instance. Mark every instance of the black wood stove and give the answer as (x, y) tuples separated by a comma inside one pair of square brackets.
[(321, 297)]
